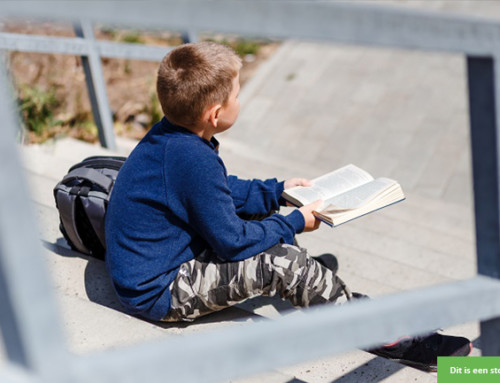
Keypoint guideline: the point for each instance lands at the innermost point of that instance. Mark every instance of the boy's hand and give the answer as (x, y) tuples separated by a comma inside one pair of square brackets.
[(312, 223), (292, 182)]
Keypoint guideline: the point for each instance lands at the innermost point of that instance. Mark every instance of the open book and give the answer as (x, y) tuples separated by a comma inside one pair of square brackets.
[(348, 193)]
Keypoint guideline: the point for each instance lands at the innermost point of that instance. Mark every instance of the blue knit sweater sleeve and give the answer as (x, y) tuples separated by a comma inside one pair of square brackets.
[(199, 195), (255, 196)]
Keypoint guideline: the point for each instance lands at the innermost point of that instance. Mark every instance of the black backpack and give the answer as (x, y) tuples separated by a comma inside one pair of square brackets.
[(82, 199)]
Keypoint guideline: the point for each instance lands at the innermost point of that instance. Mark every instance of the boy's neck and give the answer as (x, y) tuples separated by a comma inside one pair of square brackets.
[(203, 130), (199, 132)]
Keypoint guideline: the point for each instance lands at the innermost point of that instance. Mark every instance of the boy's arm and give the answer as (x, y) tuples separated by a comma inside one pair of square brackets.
[(255, 196), (202, 199), (260, 197)]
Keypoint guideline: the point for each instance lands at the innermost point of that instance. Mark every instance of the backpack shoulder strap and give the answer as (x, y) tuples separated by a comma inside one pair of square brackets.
[(66, 206), (95, 210)]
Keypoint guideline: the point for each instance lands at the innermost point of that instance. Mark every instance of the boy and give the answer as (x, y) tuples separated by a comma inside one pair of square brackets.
[(177, 248)]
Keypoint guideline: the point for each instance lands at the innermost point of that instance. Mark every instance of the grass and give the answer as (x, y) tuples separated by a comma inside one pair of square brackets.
[(125, 36), (241, 46), (132, 37), (245, 47), (154, 108), (36, 106)]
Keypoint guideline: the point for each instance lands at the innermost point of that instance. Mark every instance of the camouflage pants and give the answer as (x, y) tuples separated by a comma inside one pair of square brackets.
[(207, 284)]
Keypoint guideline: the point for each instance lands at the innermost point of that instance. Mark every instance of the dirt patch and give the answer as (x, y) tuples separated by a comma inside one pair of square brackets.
[(52, 93)]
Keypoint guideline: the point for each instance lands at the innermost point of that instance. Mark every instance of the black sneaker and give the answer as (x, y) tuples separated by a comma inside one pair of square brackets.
[(329, 261), (359, 296), (422, 351)]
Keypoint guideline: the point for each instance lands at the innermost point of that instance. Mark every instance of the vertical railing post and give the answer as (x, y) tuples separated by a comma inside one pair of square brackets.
[(29, 320), (96, 86), (484, 92), (190, 36)]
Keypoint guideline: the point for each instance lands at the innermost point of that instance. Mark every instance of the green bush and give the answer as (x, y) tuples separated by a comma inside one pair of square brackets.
[(155, 112), (36, 106), (245, 47), (241, 46), (133, 37)]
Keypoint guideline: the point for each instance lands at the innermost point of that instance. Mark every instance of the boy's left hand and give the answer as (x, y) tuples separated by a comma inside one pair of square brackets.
[(292, 182)]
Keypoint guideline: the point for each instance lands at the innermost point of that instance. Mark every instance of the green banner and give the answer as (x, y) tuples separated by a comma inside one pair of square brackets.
[(472, 369)]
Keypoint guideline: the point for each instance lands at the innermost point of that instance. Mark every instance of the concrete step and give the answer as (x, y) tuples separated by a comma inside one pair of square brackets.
[(429, 257), (53, 159), (93, 327)]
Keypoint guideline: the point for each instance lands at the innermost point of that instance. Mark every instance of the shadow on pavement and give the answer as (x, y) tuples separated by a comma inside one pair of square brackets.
[(375, 370), (99, 289)]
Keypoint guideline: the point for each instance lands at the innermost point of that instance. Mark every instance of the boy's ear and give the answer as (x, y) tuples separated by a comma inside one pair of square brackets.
[(212, 115)]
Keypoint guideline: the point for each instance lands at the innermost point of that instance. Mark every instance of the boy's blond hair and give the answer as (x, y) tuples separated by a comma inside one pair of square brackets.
[(193, 77)]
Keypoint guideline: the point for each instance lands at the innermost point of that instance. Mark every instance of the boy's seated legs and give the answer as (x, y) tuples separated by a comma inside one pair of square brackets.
[(328, 260), (207, 284)]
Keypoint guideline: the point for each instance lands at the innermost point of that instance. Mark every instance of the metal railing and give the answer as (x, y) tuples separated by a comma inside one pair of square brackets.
[(30, 324)]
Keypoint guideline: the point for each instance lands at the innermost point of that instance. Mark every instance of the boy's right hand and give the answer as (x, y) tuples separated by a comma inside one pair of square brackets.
[(312, 223)]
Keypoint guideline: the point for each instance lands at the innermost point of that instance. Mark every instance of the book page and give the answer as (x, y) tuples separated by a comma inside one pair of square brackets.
[(304, 195), (341, 180), (357, 197), (331, 184)]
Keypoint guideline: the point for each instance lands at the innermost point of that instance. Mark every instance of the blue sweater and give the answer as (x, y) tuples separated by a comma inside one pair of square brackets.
[(172, 200)]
